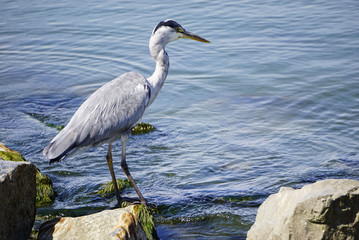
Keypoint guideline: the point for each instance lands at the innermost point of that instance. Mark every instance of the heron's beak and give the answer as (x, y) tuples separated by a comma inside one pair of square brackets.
[(193, 36)]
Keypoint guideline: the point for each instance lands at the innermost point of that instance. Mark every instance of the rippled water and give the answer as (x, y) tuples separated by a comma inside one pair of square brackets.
[(272, 101)]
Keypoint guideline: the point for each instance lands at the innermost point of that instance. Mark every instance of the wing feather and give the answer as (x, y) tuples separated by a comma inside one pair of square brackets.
[(107, 114)]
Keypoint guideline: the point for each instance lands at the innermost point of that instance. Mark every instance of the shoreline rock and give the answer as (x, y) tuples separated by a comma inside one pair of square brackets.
[(121, 223), (131, 222), (17, 199), (327, 209), (44, 189)]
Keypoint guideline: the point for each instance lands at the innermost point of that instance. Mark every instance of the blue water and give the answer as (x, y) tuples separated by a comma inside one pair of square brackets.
[(272, 101)]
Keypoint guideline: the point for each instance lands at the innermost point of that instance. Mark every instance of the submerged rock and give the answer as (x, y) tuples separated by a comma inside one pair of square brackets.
[(109, 189), (122, 223), (17, 199), (142, 128), (45, 119), (324, 210), (45, 192)]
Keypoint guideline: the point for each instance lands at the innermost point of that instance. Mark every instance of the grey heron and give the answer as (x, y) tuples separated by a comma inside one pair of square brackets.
[(113, 109)]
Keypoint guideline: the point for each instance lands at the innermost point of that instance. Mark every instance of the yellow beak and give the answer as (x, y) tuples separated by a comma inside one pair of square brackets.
[(194, 36)]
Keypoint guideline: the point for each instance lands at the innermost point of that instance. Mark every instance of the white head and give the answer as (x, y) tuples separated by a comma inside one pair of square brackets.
[(170, 30), (166, 32)]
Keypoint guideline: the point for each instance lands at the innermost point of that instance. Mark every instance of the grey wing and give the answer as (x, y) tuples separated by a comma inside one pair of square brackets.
[(107, 114)]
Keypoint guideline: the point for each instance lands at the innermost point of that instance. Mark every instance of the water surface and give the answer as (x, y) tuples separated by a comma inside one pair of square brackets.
[(273, 101)]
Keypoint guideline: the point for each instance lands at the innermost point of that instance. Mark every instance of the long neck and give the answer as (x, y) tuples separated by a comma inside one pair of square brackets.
[(157, 49)]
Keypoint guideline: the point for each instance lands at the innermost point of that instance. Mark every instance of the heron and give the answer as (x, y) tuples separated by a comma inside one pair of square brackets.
[(113, 110)]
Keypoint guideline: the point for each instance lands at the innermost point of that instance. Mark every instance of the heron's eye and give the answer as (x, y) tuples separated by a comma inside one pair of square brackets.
[(179, 30)]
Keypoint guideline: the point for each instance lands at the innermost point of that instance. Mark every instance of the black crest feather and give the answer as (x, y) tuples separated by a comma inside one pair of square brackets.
[(169, 23)]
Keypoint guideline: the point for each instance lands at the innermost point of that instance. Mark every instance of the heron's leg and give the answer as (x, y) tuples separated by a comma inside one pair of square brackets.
[(110, 166), (127, 172)]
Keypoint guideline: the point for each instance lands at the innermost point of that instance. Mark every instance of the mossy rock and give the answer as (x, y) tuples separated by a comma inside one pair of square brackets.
[(108, 188), (234, 199), (45, 119), (45, 192), (142, 128), (9, 155), (146, 220), (58, 127)]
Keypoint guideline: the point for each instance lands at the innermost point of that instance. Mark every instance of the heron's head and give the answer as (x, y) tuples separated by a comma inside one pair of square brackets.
[(170, 30)]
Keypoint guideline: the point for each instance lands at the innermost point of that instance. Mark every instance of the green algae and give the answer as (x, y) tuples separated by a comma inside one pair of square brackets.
[(108, 188), (45, 192), (142, 128), (234, 199), (12, 156), (33, 235), (58, 127), (146, 220), (45, 120)]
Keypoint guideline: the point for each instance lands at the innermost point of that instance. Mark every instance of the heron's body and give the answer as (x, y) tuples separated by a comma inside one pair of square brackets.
[(106, 115), (111, 111)]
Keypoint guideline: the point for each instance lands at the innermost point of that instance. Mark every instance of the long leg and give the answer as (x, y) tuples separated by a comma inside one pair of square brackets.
[(110, 166), (127, 172)]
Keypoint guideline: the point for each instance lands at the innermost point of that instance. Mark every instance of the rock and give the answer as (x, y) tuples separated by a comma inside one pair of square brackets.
[(45, 192), (109, 188), (10, 155), (45, 119), (142, 128), (324, 210), (122, 223), (17, 199)]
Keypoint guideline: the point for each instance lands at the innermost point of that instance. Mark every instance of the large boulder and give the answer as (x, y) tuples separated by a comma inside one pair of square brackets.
[(132, 222), (17, 199), (327, 209), (45, 192)]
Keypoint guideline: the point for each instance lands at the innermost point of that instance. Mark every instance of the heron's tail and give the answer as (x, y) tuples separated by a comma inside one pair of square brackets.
[(60, 146)]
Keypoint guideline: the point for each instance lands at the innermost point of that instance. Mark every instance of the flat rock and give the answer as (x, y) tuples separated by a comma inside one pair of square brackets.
[(327, 209), (121, 223), (17, 199)]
